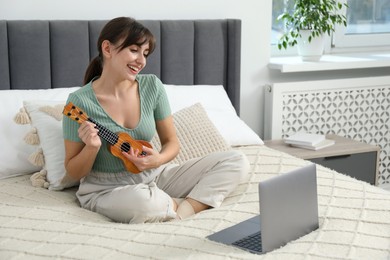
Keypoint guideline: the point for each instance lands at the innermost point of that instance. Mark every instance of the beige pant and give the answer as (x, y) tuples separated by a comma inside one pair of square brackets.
[(147, 196)]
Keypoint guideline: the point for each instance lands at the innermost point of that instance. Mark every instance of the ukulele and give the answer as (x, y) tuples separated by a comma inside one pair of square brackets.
[(117, 142)]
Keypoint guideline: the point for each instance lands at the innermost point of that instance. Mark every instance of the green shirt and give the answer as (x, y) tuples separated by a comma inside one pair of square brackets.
[(154, 107)]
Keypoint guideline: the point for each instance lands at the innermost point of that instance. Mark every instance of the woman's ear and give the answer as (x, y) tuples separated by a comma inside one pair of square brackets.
[(106, 48)]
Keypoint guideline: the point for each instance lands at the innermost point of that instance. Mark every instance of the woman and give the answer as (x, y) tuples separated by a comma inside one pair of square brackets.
[(116, 96)]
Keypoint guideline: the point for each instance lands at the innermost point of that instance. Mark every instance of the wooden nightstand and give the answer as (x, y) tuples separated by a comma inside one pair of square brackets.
[(359, 160)]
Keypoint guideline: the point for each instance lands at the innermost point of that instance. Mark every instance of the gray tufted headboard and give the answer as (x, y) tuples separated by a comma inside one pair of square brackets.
[(41, 54)]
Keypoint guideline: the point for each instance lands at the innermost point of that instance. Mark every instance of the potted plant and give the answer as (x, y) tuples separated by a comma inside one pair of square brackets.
[(307, 23)]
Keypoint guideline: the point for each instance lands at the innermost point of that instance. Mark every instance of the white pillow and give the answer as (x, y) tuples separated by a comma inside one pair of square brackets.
[(219, 109), (46, 117), (14, 151)]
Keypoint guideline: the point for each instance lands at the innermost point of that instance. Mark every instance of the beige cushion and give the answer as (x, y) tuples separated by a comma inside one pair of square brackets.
[(197, 134)]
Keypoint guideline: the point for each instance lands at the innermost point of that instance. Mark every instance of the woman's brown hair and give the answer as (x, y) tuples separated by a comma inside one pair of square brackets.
[(114, 31)]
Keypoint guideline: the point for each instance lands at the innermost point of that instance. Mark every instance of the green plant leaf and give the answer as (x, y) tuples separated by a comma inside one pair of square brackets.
[(319, 16)]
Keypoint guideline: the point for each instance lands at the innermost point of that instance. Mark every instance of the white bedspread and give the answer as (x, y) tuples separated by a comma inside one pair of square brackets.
[(38, 223)]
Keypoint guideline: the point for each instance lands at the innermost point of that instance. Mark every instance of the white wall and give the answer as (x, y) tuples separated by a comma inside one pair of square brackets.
[(256, 27)]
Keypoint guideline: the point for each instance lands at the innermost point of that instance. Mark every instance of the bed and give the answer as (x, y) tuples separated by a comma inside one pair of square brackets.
[(41, 62)]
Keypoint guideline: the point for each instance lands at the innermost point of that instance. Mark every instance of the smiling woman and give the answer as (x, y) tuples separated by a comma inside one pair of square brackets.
[(117, 97)]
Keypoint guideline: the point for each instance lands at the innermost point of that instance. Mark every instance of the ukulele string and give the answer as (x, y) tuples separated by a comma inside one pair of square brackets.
[(117, 144)]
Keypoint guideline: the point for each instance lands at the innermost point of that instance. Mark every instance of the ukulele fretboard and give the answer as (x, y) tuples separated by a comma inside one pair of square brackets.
[(105, 133)]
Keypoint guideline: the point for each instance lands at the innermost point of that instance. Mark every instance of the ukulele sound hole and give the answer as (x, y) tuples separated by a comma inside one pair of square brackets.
[(125, 147)]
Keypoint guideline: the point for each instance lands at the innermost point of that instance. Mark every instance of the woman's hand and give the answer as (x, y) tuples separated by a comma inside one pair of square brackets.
[(153, 159), (144, 162), (88, 133)]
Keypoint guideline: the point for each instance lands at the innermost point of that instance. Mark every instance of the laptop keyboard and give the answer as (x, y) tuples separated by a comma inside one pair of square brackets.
[(252, 242)]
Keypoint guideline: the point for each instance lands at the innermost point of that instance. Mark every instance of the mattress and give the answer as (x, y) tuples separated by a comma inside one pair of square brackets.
[(354, 220)]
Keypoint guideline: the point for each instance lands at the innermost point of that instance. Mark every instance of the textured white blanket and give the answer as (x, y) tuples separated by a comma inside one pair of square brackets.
[(38, 223)]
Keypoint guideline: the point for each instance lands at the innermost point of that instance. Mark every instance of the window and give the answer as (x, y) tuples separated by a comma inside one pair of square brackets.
[(368, 16), (368, 25), (278, 6)]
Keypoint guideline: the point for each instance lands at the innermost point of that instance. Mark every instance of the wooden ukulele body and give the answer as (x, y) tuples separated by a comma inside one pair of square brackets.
[(126, 142)]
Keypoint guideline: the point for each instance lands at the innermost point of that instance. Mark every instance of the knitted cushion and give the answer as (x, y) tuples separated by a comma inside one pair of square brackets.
[(196, 133)]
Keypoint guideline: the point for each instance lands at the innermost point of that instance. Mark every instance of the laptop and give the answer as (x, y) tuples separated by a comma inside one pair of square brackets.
[(289, 210)]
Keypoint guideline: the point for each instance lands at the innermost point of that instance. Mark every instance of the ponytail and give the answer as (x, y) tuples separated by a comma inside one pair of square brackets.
[(94, 69)]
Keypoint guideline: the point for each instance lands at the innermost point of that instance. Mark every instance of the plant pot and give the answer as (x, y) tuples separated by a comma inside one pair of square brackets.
[(310, 51)]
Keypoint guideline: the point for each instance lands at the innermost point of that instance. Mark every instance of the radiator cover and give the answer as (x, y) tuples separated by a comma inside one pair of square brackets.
[(357, 108)]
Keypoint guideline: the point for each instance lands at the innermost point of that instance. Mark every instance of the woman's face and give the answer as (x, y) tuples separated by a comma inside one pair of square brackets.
[(129, 61)]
